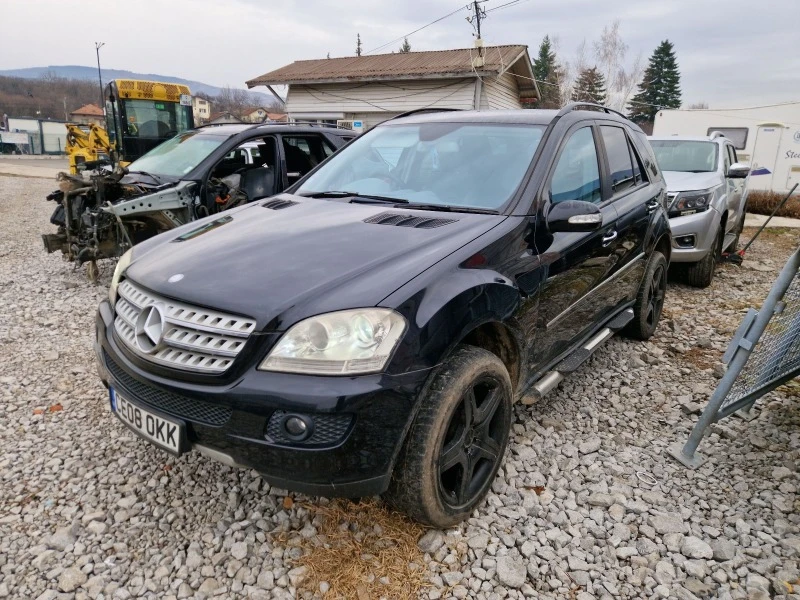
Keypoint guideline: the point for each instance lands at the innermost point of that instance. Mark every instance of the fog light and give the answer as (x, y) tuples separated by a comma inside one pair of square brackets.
[(685, 241), (297, 427)]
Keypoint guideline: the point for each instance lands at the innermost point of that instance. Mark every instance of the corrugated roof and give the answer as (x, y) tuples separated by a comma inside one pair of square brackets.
[(410, 65), (91, 110)]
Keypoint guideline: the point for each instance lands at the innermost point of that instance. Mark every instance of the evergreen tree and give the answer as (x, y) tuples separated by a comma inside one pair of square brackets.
[(547, 75), (590, 87), (358, 44), (660, 86), (406, 47)]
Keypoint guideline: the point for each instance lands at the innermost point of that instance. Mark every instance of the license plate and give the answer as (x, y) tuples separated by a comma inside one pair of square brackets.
[(162, 432)]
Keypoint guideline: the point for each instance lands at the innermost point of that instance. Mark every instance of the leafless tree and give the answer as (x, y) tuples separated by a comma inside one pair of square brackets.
[(610, 52), (698, 106)]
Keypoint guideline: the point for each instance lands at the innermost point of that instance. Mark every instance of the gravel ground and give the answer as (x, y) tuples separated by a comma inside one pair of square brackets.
[(90, 511)]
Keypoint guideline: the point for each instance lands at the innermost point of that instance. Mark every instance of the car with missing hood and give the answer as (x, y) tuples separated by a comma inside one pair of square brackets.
[(705, 190), (199, 172), (368, 331)]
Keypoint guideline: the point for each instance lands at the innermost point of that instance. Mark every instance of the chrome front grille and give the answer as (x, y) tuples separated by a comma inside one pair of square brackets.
[(193, 339)]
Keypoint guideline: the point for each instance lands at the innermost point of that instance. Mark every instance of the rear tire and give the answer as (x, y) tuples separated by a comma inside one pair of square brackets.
[(457, 440), (649, 299), (701, 274)]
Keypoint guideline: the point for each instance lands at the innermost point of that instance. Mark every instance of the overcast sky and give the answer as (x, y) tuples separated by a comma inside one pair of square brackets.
[(730, 52)]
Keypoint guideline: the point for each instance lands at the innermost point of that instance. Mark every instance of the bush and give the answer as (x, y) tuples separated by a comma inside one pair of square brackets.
[(763, 203)]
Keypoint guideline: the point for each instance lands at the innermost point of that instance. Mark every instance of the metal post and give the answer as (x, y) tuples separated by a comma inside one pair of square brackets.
[(97, 46), (687, 454)]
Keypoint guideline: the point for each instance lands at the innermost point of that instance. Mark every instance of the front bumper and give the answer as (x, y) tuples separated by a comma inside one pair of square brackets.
[(359, 422), (703, 226)]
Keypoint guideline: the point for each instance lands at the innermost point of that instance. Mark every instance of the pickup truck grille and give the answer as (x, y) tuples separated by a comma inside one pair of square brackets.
[(192, 339)]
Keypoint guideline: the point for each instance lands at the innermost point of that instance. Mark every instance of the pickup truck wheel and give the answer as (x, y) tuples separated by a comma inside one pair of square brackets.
[(457, 440), (649, 300), (701, 274)]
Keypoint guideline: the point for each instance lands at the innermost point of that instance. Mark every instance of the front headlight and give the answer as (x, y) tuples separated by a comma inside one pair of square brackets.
[(347, 342), (122, 264), (687, 203)]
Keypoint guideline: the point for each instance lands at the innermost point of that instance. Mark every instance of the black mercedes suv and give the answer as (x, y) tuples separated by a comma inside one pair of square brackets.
[(368, 331)]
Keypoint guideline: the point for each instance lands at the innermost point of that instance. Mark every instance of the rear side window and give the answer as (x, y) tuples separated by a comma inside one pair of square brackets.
[(620, 165), (577, 175), (732, 154)]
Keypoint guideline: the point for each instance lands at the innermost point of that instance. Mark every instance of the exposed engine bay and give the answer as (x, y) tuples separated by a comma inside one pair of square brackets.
[(104, 214)]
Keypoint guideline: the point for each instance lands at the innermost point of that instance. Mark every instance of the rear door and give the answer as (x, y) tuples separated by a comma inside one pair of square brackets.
[(629, 190), (303, 152), (573, 296)]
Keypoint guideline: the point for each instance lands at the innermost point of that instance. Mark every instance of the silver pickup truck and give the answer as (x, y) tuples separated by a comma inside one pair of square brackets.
[(705, 191)]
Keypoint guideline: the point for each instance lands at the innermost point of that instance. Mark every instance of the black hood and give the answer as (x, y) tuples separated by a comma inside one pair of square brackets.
[(310, 257)]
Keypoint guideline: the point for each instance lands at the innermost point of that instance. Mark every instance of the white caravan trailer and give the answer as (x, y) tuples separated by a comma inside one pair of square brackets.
[(768, 137)]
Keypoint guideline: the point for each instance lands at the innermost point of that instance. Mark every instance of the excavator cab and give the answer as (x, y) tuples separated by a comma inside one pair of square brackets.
[(140, 115)]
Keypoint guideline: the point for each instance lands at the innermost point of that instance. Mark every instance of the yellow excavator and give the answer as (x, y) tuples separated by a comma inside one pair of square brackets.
[(139, 116)]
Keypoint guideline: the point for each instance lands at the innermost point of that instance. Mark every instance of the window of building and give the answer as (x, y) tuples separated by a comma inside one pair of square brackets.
[(738, 135)]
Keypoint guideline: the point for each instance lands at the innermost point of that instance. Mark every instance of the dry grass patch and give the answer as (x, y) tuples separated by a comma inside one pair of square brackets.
[(763, 203), (702, 358), (364, 551)]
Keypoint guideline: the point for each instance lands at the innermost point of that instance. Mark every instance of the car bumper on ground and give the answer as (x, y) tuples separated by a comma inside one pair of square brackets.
[(693, 235), (357, 424)]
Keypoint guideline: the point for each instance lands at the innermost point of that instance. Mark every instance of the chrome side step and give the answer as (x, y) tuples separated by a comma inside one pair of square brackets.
[(551, 379)]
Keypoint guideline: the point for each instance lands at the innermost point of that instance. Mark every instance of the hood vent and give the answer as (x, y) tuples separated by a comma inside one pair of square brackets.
[(278, 204), (404, 220)]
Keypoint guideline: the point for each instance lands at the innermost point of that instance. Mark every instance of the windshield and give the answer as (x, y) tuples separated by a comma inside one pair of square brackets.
[(456, 164), (686, 156), (178, 156), (155, 118)]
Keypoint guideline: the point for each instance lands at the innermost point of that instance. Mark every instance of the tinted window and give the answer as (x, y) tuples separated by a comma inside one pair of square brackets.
[(303, 154), (577, 176), (738, 135), (619, 159)]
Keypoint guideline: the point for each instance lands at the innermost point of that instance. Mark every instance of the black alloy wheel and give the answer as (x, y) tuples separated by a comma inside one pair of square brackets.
[(472, 446), (457, 440)]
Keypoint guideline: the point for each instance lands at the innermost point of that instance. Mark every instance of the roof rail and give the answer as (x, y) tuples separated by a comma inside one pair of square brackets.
[(417, 111), (577, 106), (221, 124)]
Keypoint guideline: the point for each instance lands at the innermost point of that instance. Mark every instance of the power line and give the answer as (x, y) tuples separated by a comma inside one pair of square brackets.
[(507, 4), (394, 41)]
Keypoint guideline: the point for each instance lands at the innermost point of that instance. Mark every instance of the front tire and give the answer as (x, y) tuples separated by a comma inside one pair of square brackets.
[(649, 299), (457, 440), (701, 273)]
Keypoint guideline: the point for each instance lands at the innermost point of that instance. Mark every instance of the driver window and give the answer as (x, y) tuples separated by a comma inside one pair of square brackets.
[(577, 175)]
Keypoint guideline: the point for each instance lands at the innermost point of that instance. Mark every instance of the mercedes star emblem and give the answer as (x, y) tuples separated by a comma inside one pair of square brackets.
[(149, 329)]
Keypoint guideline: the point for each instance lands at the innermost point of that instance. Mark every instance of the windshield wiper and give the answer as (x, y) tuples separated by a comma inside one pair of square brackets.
[(356, 198), (451, 208), (150, 175)]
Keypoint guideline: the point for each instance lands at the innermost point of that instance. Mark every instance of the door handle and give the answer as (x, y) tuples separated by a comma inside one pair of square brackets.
[(609, 237), (651, 205)]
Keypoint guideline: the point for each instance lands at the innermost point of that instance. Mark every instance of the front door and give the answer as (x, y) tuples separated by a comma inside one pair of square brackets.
[(573, 296)]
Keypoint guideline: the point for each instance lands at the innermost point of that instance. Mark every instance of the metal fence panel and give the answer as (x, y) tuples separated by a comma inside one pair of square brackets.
[(764, 353)]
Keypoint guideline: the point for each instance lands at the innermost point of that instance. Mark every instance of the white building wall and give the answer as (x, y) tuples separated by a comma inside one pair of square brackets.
[(376, 102), (500, 93)]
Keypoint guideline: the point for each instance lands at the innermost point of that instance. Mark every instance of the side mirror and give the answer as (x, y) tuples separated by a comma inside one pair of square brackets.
[(738, 170), (574, 215)]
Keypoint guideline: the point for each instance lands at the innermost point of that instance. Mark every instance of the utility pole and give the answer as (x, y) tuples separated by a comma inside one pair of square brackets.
[(97, 46), (475, 21)]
